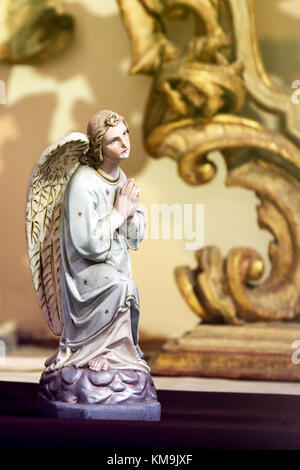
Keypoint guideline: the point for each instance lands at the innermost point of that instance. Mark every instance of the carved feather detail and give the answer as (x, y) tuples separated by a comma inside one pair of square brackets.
[(45, 193)]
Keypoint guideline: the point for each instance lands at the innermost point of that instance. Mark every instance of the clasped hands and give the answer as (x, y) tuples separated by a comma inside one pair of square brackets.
[(127, 198)]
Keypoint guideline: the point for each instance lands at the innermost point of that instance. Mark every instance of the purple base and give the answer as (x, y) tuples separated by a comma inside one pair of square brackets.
[(140, 412), (114, 394)]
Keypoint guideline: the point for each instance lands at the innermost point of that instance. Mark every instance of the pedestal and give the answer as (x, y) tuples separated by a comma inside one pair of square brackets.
[(115, 394), (256, 351)]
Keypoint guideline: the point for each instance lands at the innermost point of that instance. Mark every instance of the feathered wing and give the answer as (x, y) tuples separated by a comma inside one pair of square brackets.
[(45, 193)]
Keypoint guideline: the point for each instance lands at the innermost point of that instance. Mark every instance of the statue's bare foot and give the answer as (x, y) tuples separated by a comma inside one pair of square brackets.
[(98, 364)]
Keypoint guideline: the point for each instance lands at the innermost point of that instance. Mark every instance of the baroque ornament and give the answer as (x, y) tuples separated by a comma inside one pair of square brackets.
[(197, 94)]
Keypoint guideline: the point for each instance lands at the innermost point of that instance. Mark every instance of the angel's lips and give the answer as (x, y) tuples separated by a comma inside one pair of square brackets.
[(125, 151)]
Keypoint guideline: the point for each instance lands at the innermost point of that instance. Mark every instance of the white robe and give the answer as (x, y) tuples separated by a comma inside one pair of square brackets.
[(100, 300)]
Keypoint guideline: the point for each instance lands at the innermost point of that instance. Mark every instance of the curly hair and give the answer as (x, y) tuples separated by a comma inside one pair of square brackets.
[(96, 130)]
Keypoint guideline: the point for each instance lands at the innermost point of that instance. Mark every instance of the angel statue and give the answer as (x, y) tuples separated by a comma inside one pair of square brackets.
[(82, 216)]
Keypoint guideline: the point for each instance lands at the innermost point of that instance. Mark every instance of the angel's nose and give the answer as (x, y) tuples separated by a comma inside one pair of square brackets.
[(123, 143)]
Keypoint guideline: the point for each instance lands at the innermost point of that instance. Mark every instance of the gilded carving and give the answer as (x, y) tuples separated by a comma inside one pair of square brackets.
[(193, 109)]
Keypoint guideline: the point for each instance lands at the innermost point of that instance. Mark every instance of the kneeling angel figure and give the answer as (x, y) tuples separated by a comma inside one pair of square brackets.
[(82, 216)]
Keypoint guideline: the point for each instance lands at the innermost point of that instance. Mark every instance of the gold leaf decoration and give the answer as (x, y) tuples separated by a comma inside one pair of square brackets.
[(193, 110)]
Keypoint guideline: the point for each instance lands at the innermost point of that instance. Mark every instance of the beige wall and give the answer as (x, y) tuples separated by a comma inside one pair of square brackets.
[(45, 102)]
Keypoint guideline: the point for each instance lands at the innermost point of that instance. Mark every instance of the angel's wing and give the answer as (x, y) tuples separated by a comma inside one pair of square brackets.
[(45, 193)]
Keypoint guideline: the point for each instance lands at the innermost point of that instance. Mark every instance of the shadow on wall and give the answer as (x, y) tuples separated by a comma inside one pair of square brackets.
[(98, 55)]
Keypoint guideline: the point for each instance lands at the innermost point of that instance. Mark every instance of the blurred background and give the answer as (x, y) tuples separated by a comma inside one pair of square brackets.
[(46, 101)]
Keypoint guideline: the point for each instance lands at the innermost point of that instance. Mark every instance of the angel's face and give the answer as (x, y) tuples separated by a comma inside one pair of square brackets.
[(116, 143)]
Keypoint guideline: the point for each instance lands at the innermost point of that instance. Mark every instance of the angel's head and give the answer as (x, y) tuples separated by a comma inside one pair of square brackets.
[(108, 134)]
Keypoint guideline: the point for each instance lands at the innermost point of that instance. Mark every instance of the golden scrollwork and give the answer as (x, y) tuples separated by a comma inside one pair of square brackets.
[(193, 109)]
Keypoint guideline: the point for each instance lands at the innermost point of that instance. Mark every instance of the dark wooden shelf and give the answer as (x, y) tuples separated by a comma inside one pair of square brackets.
[(191, 421)]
